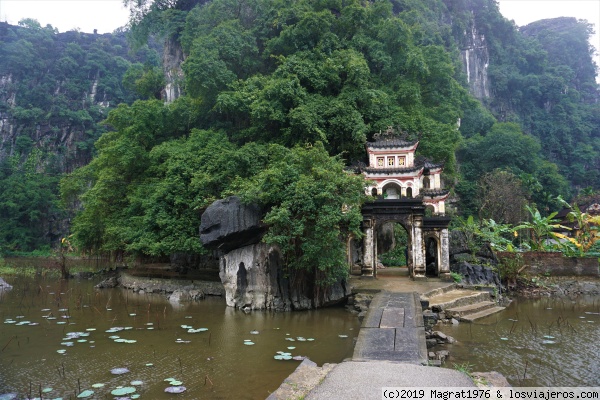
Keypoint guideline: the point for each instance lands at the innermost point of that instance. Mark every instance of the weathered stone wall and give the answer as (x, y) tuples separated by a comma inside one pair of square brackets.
[(555, 264), (253, 279)]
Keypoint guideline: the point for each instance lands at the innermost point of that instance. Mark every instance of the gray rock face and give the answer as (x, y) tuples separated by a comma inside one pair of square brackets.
[(4, 285), (229, 224), (253, 280), (476, 58), (385, 238), (476, 274)]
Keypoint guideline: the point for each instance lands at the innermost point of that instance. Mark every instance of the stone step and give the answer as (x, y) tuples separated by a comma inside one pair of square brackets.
[(457, 298), (481, 314), (438, 291), (458, 312)]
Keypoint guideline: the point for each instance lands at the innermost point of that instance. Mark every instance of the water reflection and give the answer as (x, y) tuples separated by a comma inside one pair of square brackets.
[(211, 364), (543, 342)]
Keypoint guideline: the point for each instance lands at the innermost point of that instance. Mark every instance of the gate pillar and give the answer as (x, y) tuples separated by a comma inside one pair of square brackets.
[(444, 262), (418, 248), (369, 248)]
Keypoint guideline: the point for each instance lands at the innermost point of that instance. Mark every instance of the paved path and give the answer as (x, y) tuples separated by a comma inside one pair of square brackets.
[(390, 352), (364, 380), (392, 330)]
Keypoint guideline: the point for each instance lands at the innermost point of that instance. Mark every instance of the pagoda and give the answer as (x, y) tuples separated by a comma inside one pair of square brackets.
[(394, 172)]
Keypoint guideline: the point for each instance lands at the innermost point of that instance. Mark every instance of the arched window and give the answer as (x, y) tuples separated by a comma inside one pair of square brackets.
[(426, 183), (374, 192), (409, 193)]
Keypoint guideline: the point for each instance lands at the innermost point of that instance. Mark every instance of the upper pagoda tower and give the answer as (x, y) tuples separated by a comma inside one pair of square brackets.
[(395, 173)]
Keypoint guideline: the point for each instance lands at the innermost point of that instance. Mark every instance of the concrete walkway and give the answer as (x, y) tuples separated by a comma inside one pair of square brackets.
[(365, 380), (390, 350), (392, 330)]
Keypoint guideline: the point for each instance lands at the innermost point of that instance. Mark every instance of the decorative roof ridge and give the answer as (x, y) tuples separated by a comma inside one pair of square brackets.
[(434, 192), (392, 170)]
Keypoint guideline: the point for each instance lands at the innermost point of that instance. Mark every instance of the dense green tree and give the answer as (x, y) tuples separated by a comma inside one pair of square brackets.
[(314, 207)]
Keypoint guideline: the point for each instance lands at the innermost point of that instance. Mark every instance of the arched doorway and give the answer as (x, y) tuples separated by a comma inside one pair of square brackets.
[(392, 191), (392, 245), (410, 215), (432, 265)]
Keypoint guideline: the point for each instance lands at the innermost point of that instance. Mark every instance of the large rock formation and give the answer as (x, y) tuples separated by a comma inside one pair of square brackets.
[(474, 274), (476, 59), (254, 279), (385, 238), (252, 272), (229, 224)]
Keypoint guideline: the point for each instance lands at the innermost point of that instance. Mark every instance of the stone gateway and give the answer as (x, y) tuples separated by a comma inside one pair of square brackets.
[(407, 191)]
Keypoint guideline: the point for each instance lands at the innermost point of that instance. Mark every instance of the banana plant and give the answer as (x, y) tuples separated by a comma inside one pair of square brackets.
[(541, 228), (586, 230)]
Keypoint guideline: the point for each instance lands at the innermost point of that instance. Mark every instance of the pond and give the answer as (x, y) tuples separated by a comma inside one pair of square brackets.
[(68, 336), (534, 342)]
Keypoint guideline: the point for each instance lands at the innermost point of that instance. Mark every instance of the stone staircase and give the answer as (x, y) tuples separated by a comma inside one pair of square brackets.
[(462, 304)]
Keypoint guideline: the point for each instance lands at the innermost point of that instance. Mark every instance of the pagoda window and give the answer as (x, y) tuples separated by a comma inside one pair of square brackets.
[(380, 161), (391, 162), (401, 161), (409, 192), (426, 183), (374, 192)]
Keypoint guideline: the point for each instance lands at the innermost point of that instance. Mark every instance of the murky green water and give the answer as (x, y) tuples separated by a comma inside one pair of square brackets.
[(544, 342), (212, 364)]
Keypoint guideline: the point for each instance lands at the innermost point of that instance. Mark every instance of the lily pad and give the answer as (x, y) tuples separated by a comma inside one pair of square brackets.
[(97, 385), (549, 337), (248, 343), (136, 383), (119, 371), (85, 394), (291, 348), (124, 390), (548, 342), (254, 332), (61, 351), (175, 383), (310, 339), (191, 330), (175, 389), (503, 338), (47, 390), (343, 336)]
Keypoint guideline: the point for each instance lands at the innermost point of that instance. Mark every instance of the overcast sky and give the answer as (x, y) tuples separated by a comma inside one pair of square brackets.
[(107, 15)]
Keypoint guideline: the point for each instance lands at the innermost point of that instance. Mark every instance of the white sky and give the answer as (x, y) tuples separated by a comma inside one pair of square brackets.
[(87, 15), (107, 15)]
